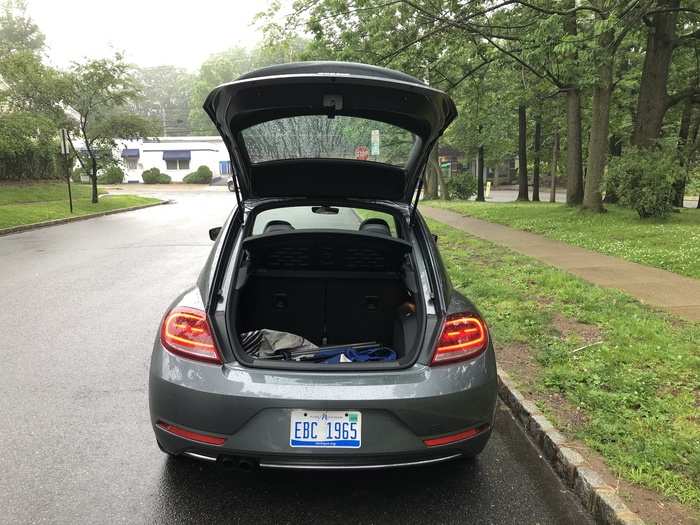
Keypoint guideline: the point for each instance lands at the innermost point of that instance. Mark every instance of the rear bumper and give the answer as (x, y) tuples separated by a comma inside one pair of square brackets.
[(250, 408), (353, 461)]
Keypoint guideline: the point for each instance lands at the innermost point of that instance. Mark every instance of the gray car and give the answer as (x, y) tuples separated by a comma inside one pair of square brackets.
[(323, 331)]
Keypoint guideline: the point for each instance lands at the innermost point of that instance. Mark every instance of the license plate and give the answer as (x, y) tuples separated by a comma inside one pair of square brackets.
[(318, 429)]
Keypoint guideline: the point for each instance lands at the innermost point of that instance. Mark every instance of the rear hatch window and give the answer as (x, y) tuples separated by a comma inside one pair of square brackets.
[(324, 217), (320, 137)]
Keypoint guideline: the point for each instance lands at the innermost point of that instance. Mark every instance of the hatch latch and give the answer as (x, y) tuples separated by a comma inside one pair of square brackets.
[(332, 103)]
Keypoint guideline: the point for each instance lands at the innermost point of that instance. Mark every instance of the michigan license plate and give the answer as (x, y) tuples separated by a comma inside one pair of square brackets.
[(318, 429)]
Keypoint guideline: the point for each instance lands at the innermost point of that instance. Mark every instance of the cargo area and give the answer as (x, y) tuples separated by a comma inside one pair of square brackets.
[(331, 287)]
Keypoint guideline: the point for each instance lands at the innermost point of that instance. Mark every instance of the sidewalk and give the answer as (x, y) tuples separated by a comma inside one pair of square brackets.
[(658, 288)]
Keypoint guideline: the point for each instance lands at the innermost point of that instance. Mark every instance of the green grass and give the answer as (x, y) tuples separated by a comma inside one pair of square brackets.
[(672, 244), (31, 203), (639, 390)]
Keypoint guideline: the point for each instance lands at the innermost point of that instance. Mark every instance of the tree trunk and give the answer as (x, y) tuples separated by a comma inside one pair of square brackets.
[(615, 146), (431, 179), (444, 195), (480, 175), (600, 126), (522, 154), (93, 177), (553, 166), (574, 160), (536, 170), (683, 132), (652, 102), (615, 150)]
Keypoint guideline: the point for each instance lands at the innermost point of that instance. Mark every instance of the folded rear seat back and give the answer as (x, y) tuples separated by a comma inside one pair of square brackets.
[(329, 287)]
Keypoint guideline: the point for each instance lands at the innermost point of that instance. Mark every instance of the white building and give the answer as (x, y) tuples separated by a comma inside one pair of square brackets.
[(174, 156)]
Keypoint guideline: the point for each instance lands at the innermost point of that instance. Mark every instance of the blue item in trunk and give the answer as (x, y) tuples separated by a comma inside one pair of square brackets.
[(356, 355)]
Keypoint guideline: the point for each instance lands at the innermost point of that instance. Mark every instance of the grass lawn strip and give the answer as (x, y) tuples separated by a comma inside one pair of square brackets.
[(636, 393), (672, 244), (34, 203)]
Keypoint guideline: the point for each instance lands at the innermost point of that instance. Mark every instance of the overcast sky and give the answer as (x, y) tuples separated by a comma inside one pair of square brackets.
[(150, 32)]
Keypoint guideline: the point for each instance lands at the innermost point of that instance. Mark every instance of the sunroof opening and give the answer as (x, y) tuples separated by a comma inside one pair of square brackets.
[(320, 137)]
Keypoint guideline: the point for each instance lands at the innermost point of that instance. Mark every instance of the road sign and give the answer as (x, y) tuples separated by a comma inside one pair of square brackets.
[(374, 141), (361, 153)]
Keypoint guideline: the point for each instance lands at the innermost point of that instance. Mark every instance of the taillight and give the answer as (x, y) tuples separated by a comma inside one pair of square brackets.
[(456, 438), (192, 436), (186, 332), (464, 336)]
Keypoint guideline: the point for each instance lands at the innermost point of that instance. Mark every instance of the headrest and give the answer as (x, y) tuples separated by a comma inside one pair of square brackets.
[(375, 225), (278, 227)]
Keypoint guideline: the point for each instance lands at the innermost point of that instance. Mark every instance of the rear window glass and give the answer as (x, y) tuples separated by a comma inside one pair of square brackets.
[(320, 137), (317, 217)]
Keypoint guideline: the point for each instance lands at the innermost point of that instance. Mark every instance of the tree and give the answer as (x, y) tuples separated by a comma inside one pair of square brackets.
[(98, 92), (554, 165), (24, 79), (165, 97), (456, 39), (653, 100), (574, 186), (586, 50), (537, 153), (600, 120), (522, 154), (29, 99), (18, 33), (215, 70), (231, 64)]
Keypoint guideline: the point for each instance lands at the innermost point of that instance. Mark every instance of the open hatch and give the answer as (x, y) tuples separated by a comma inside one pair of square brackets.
[(328, 129)]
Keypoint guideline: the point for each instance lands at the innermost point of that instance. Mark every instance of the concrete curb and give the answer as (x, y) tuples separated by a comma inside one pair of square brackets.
[(65, 220), (599, 498)]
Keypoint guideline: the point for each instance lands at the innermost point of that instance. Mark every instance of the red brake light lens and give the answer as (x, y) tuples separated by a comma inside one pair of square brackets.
[(192, 436), (455, 438), (464, 336), (186, 332)]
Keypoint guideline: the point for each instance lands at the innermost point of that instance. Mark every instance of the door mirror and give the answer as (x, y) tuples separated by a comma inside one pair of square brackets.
[(435, 238), (214, 233)]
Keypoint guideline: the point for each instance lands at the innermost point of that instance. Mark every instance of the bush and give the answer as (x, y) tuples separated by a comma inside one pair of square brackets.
[(203, 175), (76, 174), (461, 186), (111, 175), (28, 149), (154, 176), (643, 180)]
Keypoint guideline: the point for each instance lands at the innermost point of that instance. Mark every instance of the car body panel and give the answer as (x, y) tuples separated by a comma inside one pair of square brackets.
[(251, 406)]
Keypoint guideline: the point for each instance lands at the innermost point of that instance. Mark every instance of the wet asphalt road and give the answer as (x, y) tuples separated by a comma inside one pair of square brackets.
[(80, 308)]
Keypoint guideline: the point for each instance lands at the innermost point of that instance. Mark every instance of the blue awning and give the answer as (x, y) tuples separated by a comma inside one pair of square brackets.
[(130, 153), (177, 155)]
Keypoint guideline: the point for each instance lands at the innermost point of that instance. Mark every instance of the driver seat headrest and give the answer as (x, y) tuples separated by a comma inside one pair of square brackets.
[(278, 227), (375, 225)]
